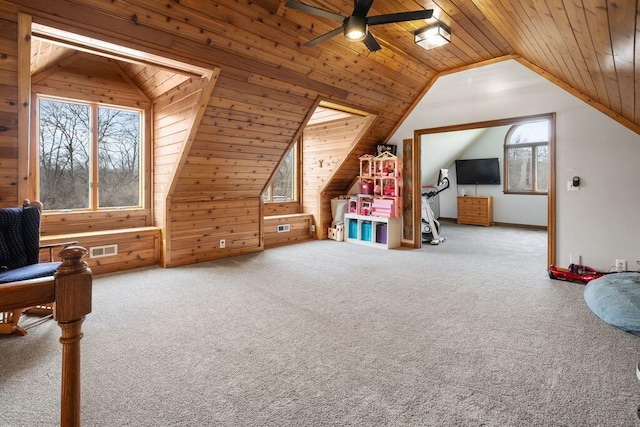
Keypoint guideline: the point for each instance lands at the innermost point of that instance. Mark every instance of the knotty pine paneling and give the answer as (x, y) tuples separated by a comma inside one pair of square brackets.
[(8, 113), (44, 54), (153, 81), (173, 115), (136, 248), (299, 230), (198, 225), (280, 208), (231, 152), (57, 223), (324, 148), (88, 78)]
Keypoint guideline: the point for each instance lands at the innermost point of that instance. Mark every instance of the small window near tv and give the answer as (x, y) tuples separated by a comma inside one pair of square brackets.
[(478, 171), (526, 154)]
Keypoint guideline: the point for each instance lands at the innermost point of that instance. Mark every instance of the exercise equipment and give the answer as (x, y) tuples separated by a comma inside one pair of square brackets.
[(430, 225)]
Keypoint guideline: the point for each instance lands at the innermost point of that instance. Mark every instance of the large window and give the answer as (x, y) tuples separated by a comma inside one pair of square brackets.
[(526, 154), (284, 186), (89, 155)]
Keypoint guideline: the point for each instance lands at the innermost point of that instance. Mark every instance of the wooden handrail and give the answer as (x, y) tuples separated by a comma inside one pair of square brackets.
[(70, 290)]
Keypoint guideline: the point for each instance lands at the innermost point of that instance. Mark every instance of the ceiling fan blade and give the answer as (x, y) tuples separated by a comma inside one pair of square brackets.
[(400, 17), (324, 37), (314, 10), (361, 7), (371, 43)]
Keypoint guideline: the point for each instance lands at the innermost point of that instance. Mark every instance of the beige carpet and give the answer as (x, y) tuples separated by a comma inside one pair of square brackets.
[(471, 333)]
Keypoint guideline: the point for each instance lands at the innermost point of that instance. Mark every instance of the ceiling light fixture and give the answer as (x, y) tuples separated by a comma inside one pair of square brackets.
[(355, 28), (433, 36)]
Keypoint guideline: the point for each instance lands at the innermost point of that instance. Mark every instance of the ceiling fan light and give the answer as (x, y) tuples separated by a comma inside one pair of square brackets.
[(433, 36), (355, 29)]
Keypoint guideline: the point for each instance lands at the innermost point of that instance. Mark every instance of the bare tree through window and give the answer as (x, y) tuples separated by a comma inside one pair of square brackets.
[(119, 157), (67, 147), (283, 187), (65, 134), (527, 157)]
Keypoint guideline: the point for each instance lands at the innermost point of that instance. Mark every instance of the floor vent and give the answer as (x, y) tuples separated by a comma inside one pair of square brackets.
[(282, 228), (100, 251)]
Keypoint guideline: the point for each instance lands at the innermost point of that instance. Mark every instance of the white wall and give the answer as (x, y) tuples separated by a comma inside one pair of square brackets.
[(598, 222), (507, 208)]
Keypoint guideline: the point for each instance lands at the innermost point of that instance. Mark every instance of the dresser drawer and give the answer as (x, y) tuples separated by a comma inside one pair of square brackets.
[(475, 210)]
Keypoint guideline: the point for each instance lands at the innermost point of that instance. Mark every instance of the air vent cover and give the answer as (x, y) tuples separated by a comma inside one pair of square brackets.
[(283, 228), (102, 251)]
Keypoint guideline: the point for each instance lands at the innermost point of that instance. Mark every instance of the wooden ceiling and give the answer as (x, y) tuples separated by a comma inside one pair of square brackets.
[(588, 46)]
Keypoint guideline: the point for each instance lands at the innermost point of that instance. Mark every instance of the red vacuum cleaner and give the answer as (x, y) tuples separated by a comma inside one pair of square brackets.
[(575, 273)]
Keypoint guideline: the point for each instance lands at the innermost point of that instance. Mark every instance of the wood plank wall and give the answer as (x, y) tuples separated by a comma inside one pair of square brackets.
[(90, 78), (172, 120), (299, 229), (328, 143), (139, 247), (197, 226), (240, 141), (280, 208), (263, 95), (8, 112)]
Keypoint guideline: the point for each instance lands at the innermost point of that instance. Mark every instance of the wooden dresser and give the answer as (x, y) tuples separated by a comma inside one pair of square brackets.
[(475, 210)]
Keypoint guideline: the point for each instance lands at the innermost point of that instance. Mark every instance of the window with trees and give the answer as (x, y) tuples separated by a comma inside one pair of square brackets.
[(89, 155), (283, 187), (526, 154)]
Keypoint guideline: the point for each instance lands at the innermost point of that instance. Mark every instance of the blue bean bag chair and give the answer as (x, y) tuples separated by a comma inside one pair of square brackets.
[(615, 298)]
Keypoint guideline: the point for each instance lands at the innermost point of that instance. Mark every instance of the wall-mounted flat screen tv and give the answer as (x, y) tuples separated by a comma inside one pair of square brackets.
[(478, 171)]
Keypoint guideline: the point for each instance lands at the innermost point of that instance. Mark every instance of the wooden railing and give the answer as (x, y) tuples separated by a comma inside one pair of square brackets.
[(70, 290)]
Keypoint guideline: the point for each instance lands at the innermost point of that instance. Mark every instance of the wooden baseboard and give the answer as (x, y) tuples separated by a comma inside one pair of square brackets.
[(137, 247), (503, 224), (298, 229), (531, 227)]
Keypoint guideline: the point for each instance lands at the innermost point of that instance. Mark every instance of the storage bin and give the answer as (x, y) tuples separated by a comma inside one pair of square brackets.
[(365, 233), (381, 233), (353, 228)]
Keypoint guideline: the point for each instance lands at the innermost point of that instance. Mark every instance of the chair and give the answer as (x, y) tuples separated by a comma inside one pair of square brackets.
[(20, 256), (70, 290)]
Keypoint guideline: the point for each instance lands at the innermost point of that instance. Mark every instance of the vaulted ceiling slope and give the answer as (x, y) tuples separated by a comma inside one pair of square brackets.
[(588, 45)]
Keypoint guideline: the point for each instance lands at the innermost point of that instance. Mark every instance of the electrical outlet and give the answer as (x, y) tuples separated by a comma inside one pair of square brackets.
[(313, 228), (621, 265), (223, 243)]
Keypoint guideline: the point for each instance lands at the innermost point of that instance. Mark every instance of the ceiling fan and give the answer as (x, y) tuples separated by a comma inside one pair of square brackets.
[(356, 26)]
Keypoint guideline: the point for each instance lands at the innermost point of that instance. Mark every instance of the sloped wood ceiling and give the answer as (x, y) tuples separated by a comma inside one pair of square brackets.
[(269, 81), (325, 146)]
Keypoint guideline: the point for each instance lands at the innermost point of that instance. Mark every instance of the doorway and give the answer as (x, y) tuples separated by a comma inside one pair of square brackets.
[(451, 150)]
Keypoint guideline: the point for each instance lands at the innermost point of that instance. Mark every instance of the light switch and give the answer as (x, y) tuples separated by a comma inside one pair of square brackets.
[(570, 186)]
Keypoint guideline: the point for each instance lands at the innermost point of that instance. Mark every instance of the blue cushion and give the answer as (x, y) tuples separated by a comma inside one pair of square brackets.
[(12, 249), (615, 298), (32, 271)]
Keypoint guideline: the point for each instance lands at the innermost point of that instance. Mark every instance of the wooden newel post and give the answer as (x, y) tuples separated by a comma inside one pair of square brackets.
[(72, 303)]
